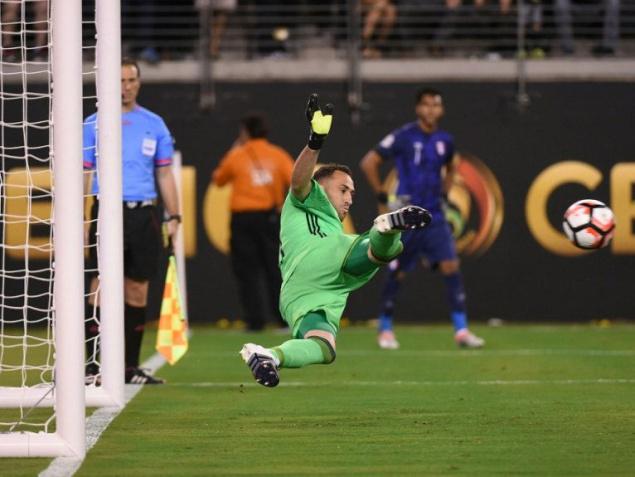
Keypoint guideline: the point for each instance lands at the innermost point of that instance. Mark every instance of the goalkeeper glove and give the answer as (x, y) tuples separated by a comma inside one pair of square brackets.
[(319, 120)]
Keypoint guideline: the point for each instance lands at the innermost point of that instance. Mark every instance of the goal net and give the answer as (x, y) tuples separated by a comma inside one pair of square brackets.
[(44, 91), (26, 250)]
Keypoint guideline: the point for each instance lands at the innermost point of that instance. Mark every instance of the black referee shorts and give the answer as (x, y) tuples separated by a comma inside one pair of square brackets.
[(141, 241)]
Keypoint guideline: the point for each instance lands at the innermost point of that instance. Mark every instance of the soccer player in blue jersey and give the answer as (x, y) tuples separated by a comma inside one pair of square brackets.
[(147, 155), (424, 158)]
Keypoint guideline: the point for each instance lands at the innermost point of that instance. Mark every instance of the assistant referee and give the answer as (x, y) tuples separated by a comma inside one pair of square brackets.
[(146, 155)]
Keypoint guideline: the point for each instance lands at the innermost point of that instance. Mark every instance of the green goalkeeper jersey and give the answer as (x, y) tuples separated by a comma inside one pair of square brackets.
[(313, 250)]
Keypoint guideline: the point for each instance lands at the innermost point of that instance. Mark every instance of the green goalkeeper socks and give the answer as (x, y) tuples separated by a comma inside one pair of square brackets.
[(385, 246), (302, 352)]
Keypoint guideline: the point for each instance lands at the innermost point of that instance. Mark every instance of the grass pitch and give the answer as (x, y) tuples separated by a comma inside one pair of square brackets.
[(538, 400)]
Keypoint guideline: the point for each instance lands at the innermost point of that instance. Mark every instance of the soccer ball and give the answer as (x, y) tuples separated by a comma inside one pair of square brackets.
[(589, 224)]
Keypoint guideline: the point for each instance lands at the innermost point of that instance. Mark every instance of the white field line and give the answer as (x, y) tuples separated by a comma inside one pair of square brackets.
[(463, 353), (496, 352), (97, 423), (493, 382)]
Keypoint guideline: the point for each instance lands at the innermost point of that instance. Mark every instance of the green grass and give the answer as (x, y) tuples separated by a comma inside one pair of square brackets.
[(539, 400)]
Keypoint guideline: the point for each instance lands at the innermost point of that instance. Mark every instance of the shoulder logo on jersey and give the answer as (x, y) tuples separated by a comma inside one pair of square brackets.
[(440, 145), (387, 141)]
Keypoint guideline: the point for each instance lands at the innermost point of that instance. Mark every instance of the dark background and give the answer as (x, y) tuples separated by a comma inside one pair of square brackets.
[(516, 279)]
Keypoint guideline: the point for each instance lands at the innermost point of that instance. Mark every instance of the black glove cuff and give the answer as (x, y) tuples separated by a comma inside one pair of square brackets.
[(316, 141), (382, 198)]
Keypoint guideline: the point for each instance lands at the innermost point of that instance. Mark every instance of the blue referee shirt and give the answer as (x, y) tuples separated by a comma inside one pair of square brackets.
[(146, 144), (419, 158)]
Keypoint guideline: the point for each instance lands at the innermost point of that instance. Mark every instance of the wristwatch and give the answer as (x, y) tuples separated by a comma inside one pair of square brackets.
[(176, 217)]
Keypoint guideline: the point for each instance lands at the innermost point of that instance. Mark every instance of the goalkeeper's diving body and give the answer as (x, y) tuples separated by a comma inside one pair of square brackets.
[(320, 264)]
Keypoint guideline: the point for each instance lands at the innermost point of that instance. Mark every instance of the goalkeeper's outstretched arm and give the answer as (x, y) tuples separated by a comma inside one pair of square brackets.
[(303, 172), (320, 124)]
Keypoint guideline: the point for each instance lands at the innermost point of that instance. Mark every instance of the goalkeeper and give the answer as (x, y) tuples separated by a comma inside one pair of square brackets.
[(320, 264)]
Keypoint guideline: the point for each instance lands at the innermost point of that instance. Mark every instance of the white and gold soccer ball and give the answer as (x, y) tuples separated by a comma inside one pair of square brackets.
[(589, 224)]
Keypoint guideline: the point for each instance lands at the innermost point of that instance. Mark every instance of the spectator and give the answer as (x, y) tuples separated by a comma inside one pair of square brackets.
[(564, 10), (273, 25), (260, 174), (456, 13), (220, 11), (532, 21), (140, 17), (10, 19), (379, 19), (479, 20)]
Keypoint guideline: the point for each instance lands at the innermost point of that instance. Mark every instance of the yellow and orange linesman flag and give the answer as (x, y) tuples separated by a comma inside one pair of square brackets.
[(172, 333)]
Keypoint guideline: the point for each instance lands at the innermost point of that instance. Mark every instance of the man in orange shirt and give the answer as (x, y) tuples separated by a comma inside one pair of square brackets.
[(260, 174)]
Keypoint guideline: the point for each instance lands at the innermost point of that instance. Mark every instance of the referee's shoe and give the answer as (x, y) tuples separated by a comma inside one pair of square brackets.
[(139, 376)]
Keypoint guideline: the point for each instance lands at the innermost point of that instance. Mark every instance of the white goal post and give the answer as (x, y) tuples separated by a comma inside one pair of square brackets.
[(61, 376), (110, 249)]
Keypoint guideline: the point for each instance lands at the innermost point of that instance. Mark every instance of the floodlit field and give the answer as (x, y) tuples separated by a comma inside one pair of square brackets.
[(539, 400)]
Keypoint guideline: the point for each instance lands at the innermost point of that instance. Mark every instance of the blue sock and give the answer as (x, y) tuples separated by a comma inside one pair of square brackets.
[(459, 320), (388, 295), (456, 300), (385, 323)]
